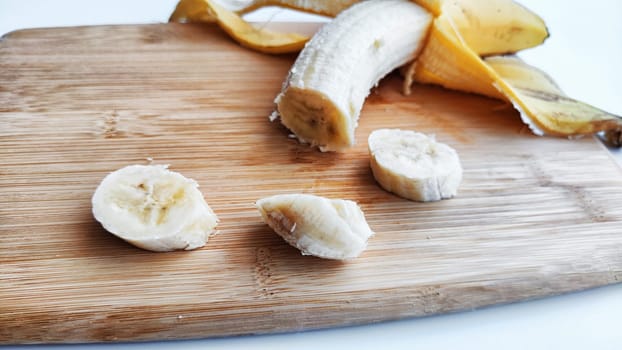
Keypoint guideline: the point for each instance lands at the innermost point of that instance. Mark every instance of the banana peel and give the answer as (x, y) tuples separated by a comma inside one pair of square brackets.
[(189, 11), (543, 105), (448, 60), (258, 39), (462, 34), (329, 8), (467, 29)]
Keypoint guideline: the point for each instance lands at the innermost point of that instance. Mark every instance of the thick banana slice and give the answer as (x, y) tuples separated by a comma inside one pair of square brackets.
[(326, 228), (323, 95), (413, 165), (153, 208)]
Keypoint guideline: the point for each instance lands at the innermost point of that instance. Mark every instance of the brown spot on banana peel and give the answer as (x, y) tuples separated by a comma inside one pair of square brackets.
[(613, 138), (545, 96)]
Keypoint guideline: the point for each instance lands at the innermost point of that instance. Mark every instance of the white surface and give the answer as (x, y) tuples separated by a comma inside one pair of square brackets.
[(583, 54)]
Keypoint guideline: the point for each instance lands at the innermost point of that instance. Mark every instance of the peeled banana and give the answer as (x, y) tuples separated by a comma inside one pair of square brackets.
[(153, 208), (326, 87), (326, 228), (413, 165)]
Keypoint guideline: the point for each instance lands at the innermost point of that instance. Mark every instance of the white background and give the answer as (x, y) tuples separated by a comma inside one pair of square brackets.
[(583, 54)]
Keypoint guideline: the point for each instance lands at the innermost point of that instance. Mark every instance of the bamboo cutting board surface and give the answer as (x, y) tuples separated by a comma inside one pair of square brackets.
[(534, 216)]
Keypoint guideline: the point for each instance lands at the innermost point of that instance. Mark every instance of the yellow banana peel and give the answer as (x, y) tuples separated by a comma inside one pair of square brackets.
[(467, 29), (448, 60), (258, 39), (542, 103), (188, 11), (329, 8)]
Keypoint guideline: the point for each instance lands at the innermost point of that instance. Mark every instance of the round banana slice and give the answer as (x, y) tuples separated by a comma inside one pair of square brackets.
[(413, 165), (326, 228), (154, 208)]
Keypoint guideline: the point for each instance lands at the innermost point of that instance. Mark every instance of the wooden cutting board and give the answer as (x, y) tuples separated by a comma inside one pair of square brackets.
[(534, 216)]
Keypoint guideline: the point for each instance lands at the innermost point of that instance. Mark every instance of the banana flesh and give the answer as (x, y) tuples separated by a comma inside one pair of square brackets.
[(325, 90), (413, 165), (153, 208), (318, 226)]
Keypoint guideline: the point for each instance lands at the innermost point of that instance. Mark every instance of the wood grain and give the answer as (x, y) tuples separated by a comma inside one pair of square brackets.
[(534, 216)]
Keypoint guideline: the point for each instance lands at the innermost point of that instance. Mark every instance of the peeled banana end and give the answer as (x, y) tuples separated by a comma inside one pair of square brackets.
[(314, 119)]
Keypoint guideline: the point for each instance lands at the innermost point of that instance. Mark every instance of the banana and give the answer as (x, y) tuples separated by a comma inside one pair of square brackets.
[(413, 165), (324, 92), (153, 208), (326, 228), (462, 32)]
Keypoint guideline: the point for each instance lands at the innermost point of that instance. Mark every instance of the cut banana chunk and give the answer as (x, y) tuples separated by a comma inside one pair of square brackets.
[(323, 95), (153, 208), (413, 165), (326, 228)]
